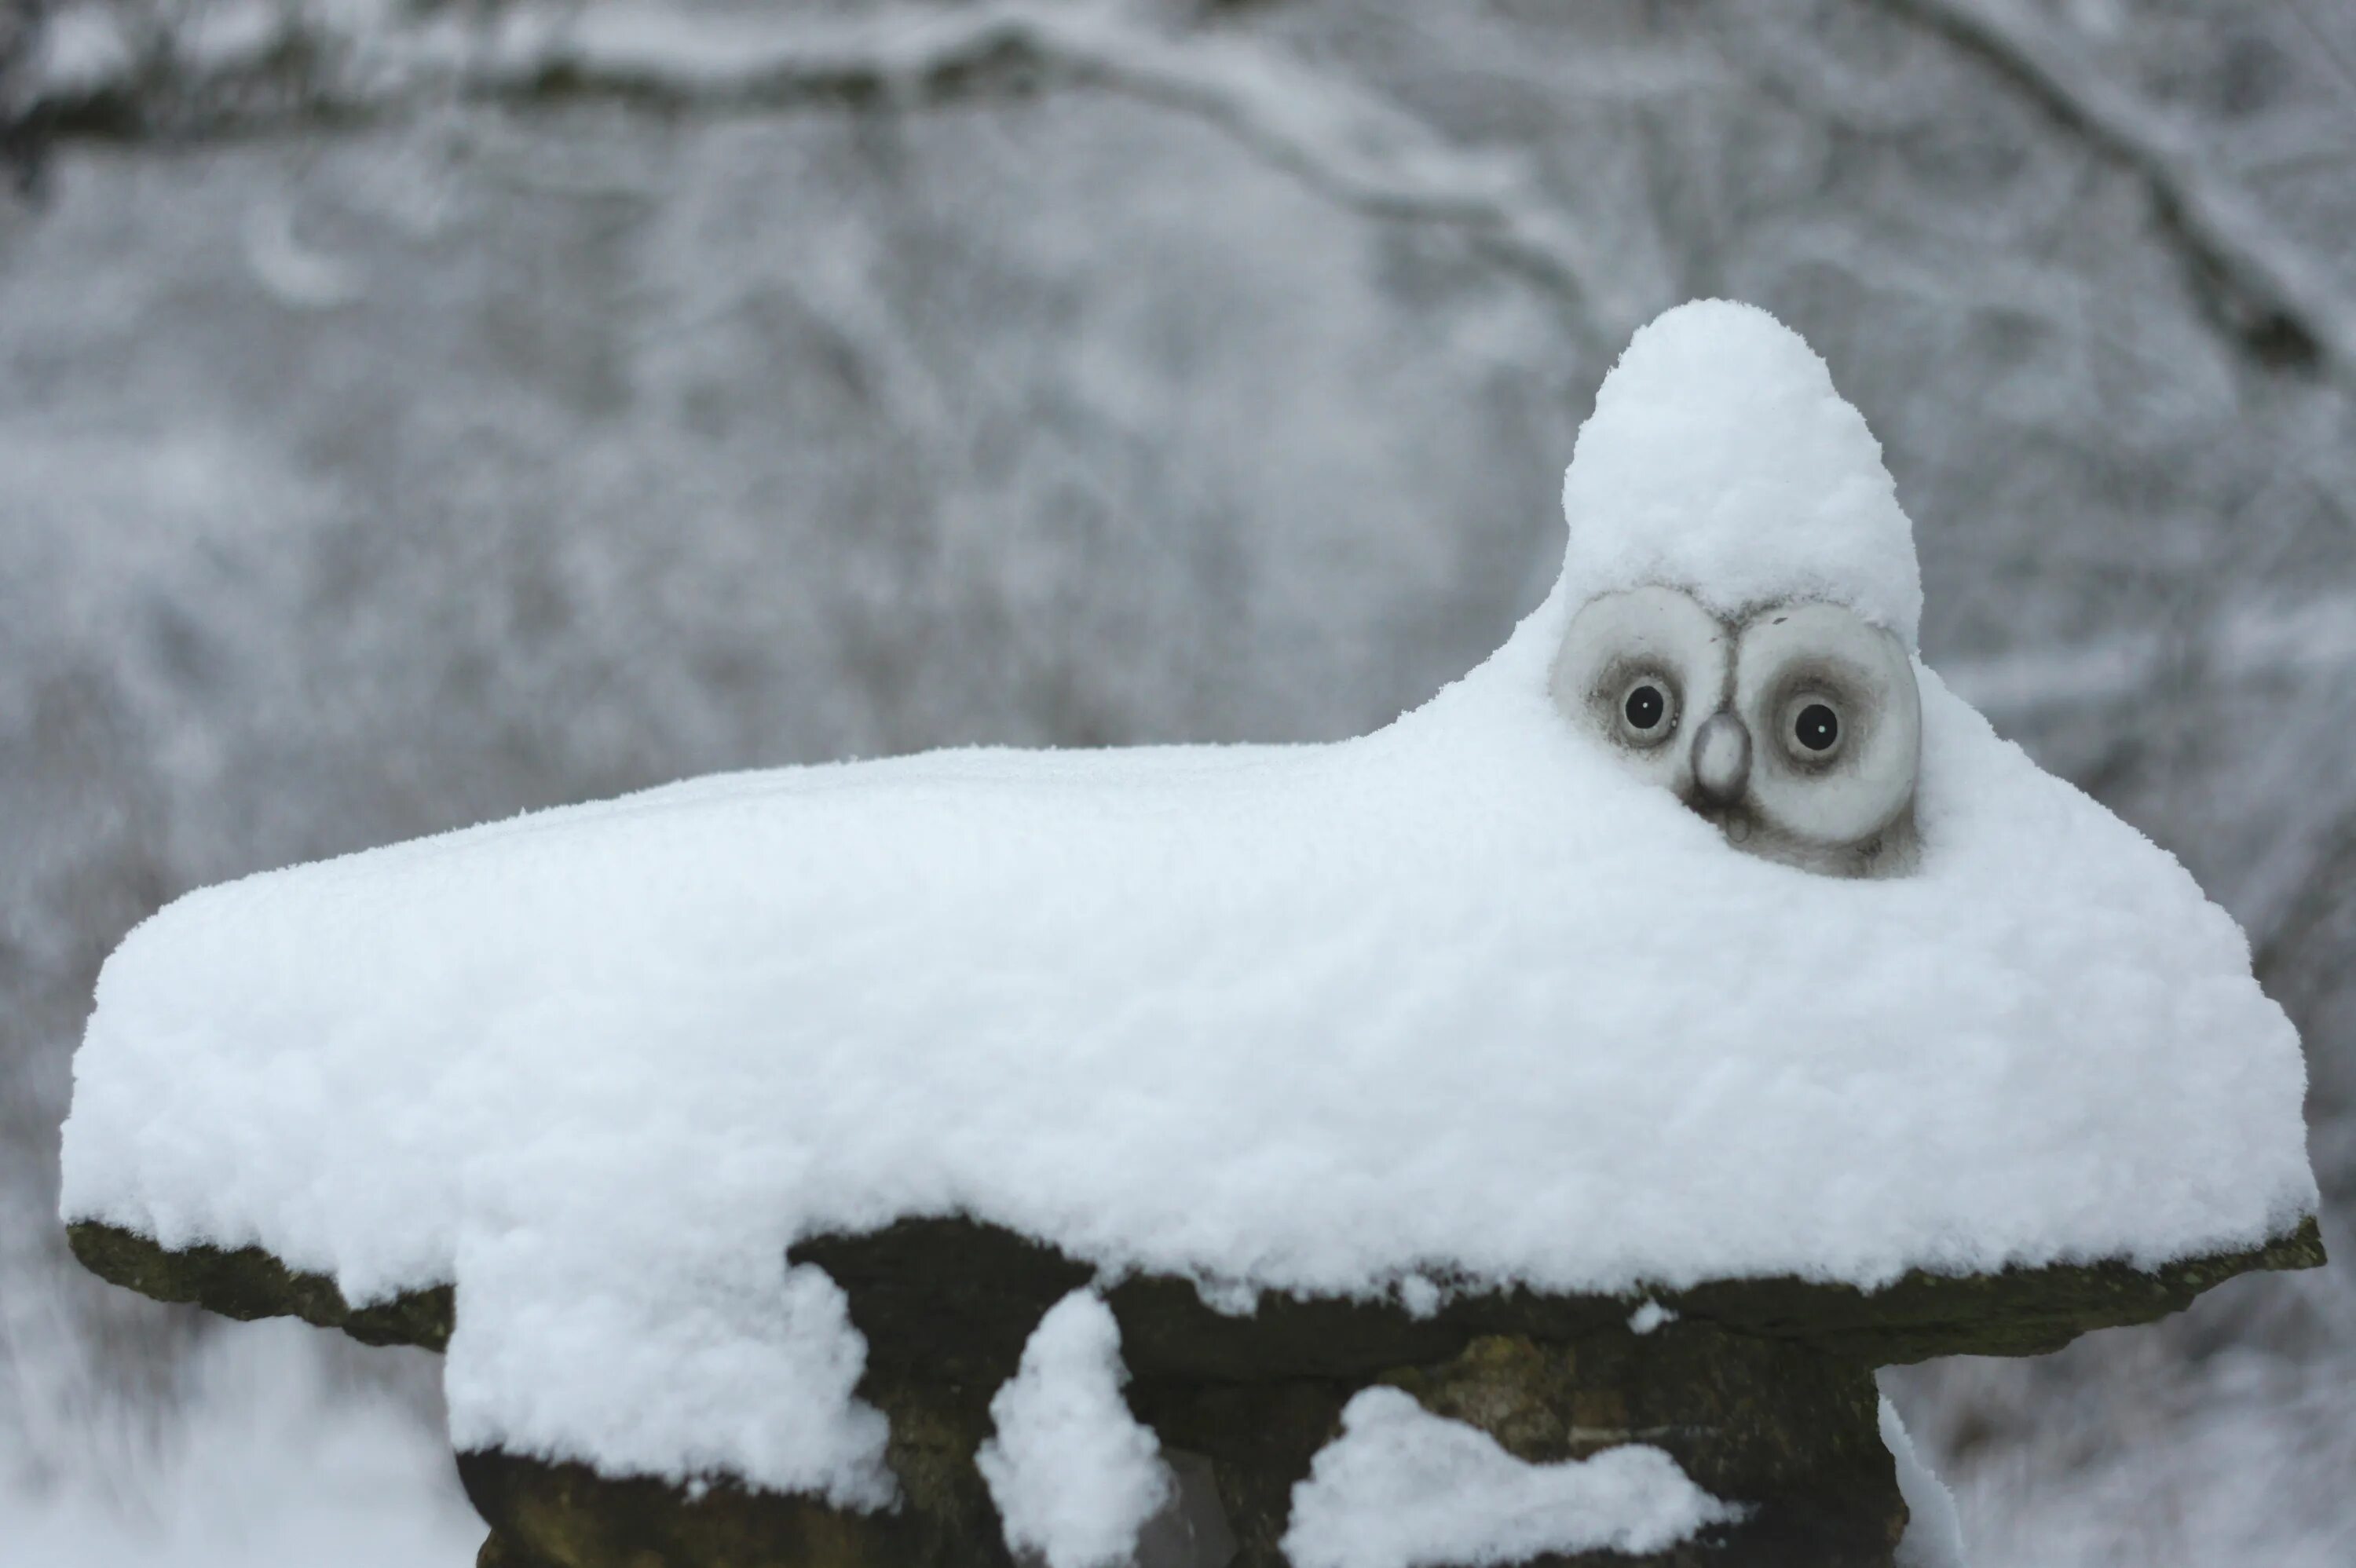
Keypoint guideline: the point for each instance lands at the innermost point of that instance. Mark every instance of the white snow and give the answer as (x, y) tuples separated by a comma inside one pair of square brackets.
[(1719, 460), (1074, 1474), (736, 1365), (1934, 1534), (1402, 1488), (1649, 1317), (1458, 1000)]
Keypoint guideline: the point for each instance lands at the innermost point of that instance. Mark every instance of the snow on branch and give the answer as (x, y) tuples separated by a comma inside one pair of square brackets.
[(241, 65), (1356, 148), (2282, 287)]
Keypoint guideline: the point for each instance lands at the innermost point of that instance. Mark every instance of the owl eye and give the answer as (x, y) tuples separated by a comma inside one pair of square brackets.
[(1648, 711), (1627, 664), (1811, 728), (1832, 703)]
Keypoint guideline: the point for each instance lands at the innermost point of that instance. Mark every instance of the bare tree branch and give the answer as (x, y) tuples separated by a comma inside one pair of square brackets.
[(239, 73), (2286, 292), (21, 24), (2321, 37), (1352, 147)]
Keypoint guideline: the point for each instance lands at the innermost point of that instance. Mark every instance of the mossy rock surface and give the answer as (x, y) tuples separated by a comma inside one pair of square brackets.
[(546, 1514), (246, 1283), (910, 1278), (917, 1275), (1761, 1389)]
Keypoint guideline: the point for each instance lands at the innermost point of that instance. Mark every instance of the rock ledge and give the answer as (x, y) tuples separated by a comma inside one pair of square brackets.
[(1761, 1389)]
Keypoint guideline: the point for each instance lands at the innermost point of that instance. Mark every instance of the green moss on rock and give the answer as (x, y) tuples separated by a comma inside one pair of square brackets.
[(246, 1283)]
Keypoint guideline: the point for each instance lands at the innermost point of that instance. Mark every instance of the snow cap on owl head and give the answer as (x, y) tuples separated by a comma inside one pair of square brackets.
[(1719, 460)]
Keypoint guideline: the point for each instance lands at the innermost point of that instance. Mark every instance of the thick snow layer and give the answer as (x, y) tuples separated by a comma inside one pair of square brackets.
[(732, 1364), (1457, 1000), (1074, 1474), (1464, 993), (1719, 460), (1402, 1488), (1934, 1534)]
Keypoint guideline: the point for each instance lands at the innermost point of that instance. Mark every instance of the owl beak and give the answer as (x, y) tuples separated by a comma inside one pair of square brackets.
[(1721, 760)]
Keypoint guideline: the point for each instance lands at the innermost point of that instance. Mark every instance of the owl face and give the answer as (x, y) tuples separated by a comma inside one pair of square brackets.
[(1797, 728)]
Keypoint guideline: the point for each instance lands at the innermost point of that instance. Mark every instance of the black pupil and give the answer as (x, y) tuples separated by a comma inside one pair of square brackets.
[(1818, 727), (1645, 706)]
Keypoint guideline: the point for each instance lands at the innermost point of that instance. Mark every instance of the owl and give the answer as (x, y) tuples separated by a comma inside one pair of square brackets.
[(1796, 727)]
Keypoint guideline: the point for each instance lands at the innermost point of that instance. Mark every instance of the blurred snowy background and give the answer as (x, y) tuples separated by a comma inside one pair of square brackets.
[(413, 412)]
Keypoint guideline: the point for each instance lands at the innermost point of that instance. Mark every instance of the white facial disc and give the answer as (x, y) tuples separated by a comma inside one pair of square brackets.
[(1836, 722), (1642, 669)]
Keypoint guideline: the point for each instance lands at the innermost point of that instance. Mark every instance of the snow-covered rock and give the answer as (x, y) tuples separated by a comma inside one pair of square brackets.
[(1457, 1001)]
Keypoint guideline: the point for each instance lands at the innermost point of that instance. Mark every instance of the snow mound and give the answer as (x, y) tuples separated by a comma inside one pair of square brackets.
[(1457, 1001), (1074, 1474), (1720, 460), (734, 1366), (1402, 1488)]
